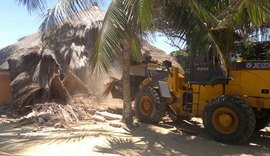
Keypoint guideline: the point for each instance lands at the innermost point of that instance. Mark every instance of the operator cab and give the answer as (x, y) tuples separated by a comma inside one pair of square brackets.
[(206, 70)]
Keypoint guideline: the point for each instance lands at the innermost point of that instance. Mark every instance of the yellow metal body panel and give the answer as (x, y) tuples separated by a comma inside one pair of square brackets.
[(174, 81), (176, 85), (247, 84), (207, 93), (250, 86)]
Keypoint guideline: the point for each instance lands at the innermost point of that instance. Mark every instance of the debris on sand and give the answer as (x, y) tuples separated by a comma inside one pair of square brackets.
[(51, 114), (109, 116), (111, 119)]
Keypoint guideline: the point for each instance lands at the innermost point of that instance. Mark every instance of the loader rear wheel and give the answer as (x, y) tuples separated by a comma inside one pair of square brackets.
[(148, 106), (229, 120)]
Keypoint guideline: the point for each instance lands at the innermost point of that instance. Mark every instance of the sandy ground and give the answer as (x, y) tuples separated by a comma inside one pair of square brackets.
[(94, 138)]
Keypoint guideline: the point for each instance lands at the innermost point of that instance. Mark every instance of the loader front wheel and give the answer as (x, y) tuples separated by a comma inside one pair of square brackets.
[(149, 109), (229, 120)]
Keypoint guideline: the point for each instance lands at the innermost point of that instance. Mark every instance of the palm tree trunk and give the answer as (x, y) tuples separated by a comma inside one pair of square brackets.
[(127, 113)]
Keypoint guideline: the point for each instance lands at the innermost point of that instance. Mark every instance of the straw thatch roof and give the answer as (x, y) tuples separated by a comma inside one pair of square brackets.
[(155, 55), (64, 49), (24, 46)]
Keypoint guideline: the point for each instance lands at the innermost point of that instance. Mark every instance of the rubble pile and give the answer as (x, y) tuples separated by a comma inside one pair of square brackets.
[(57, 115)]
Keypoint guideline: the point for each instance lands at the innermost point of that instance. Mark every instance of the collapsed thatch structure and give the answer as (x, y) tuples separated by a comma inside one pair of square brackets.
[(42, 69)]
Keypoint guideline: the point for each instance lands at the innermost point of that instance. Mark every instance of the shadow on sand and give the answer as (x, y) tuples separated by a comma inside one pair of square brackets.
[(182, 138), (167, 138)]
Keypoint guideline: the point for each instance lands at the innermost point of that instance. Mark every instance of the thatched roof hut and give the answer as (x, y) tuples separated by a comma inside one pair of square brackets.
[(70, 46)]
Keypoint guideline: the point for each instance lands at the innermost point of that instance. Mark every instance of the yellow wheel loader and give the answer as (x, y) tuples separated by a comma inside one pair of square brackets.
[(232, 105)]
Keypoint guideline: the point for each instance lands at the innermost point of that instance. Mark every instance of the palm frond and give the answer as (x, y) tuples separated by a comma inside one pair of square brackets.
[(118, 30), (193, 25), (193, 21), (202, 13), (112, 33), (140, 21), (141, 12), (36, 5), (66, 10), (135, 45), (246, 14)]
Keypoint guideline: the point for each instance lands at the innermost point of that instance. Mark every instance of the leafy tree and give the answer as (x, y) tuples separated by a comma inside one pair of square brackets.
[(181, 56), (214, 23)]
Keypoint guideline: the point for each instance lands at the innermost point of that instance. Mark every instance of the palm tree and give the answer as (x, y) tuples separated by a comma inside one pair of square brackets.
[(127, 21), (197, 23)]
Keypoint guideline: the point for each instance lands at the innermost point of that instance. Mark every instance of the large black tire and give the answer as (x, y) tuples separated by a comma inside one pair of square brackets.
[(262, 121), (229, 119), (149, 109)]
